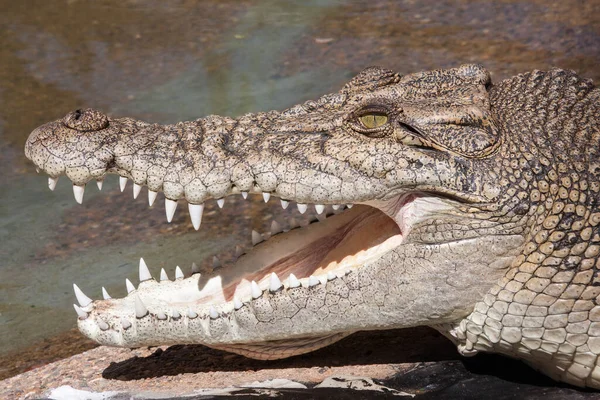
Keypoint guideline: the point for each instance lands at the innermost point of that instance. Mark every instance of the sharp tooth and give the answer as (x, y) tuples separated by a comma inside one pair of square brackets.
[(275, 228), (293, 223), (99, 183), (102, 325), (136, 190), (163, 275), (191, 314), (82, 299), (37, 170), (144, 271), (293, 282), (274, 282), (331, 276), (105, 294), (237, 304), (335, 206), (266, 196), (125, 323), (170, 206), (284, 204), (52, 182), (319, 208), (221, 203), (151, 197), (80, 313), (256, 292), (178, 273), (175, 314), (349, 205), (78, 193), (312, 281), (302, 208), (122, 182), (213, 313), (196, 211), (238, 251), (256, 238), (140, 309), (245, 195), (161, 315), (129, 286), (216, 262), (195, 268)]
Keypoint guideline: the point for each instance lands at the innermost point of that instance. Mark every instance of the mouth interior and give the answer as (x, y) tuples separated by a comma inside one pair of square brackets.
[(341, 243)]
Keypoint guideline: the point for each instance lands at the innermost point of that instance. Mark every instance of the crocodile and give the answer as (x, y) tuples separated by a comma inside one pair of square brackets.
[(444, 200)]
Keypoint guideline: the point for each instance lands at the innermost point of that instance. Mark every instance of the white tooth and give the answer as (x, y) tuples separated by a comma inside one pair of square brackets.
[(144, 271), (293, 282), (293, 223), (178, 273), (151, 197), (102, 325), (216, 262), (221, 203), (312, 281), (335, 206), (82, 299), (161, 315), (331, 276), (129, 286), (163, 275), (37, 170), (170, 206), (256, 238), (237, 304), (122, 182), (125, 323), (196, 211), (274, 282), (213, 313), (238, 251), (52, 182), (266, 196), (175, 314), (319, 208), (191, 314), (105, 294), (78, 193), (349, 205), (80, 313), (140, 309), (256, 292), (275, 228), (195, 268), (99, 183), (284, 204), (302, 208), (245, 195), (136, 190)]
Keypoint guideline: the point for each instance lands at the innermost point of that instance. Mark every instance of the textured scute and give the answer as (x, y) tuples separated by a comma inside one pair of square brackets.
[(508, 265)]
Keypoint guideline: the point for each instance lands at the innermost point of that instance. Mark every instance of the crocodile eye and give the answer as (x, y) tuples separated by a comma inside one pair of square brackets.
[(373, 120)]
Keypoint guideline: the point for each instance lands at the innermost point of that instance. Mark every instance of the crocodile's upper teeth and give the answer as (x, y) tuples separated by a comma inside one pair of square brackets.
[(245, 195), (284, 204), (122, 182), (302, 208), (136, 190), (170, 206), (99, 183), (256, 238), (221, 202), (266, 196), (52, 182), (78, 193), (319, 208), (151, 197), (196, 211)]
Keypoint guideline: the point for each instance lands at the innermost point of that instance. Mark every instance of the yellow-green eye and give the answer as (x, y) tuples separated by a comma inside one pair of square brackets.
[(371, 121)]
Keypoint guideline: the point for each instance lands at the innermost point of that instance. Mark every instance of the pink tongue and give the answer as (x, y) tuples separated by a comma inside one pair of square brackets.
[(308, 251)]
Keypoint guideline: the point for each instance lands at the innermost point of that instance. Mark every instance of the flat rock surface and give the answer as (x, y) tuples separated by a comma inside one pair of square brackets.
[(416, 362)]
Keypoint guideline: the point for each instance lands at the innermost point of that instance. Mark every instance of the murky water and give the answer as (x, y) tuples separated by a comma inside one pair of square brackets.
[(178, 60)]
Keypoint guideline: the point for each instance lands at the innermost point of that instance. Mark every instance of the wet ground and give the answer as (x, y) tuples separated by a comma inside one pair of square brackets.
[(178, 60)]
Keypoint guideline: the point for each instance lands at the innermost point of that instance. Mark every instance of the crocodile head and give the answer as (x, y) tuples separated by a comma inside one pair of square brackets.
[(438, 173)]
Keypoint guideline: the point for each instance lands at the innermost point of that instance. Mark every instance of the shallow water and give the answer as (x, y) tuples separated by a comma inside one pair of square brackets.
[(171, 61)]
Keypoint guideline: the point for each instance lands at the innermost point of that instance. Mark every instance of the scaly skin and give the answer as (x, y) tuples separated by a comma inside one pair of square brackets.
[(478, 216)]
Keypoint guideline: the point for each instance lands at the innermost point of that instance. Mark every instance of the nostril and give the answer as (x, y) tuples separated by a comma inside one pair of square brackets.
[(77, 114)]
